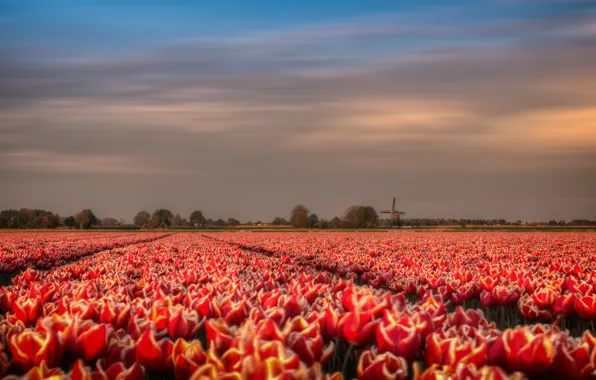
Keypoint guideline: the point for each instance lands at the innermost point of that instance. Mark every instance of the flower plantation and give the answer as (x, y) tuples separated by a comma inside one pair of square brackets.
[(298, 305)]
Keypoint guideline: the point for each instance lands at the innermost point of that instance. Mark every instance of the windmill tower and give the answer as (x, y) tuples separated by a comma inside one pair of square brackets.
[(394, 214)]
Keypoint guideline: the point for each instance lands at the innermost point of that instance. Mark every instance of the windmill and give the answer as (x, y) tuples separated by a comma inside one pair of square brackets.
[(394, 214)]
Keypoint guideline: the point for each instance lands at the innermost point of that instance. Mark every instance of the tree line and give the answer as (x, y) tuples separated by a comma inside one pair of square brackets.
[(357, 216)]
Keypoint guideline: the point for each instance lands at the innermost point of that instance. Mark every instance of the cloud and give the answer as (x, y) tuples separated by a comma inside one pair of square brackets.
[(320, 113), (51, 162)]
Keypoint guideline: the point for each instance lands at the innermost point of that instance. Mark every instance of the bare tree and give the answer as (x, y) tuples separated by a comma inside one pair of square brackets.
[(109, 222)]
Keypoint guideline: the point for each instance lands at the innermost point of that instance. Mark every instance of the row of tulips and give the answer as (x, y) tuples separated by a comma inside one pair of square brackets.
[(192, 307), (546, 276), (45, 250)]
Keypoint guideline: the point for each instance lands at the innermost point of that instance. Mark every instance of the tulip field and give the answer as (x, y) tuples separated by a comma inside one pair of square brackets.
[(335, 305)]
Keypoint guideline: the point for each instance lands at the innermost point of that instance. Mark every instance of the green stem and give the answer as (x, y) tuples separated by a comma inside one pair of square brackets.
[(348, 354)]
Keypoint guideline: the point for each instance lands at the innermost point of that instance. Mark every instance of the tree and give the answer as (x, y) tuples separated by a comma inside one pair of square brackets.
[(142, 218), (220, 222), (197, 218), (362, 216), (70, 221), (233, 222), (6, 216), (335, 222), (299, 217), (109, 222), (313, 221), (85, 219), (177, 221), (277, 221), (162, 216)]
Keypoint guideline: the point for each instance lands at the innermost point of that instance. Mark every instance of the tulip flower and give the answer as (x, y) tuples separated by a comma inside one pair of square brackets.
[(455, 350), (27, 309), (6, 299), (118, 371), (585, 307), (504, 295), (153, 354), (398, 336), (523, 350), (544, 298), (183, 323), (31, 348), (467, 372), (373, 366), (310, 349), (472, 318), (40, 372), (187, 358), (357, 327), (86, 339), (115, 314), (564, 304), (220, 334), (328, 323)]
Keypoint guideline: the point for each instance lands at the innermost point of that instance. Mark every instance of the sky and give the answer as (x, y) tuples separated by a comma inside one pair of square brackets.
[(478, 109)]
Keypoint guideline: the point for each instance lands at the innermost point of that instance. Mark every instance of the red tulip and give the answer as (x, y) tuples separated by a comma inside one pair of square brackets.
[(504, 295), (464, 293), (27, 309), (115, 314), (187, 357), (41, 372), (85, 309), (234, 313), (357, 327), (291, 305), (120, 349), (523, 350), (544, 298), (86, 339), (472, 318), (398, 336), (31, 348), (310, 349), (585, 307), (220, 334), (487, 299), (267, 330), (118, 371), (79, 371), (183, 323), (455, 350), (6, 300), (152, 354), (467, 372), (328, 323), (564, 304), (373, 366)]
